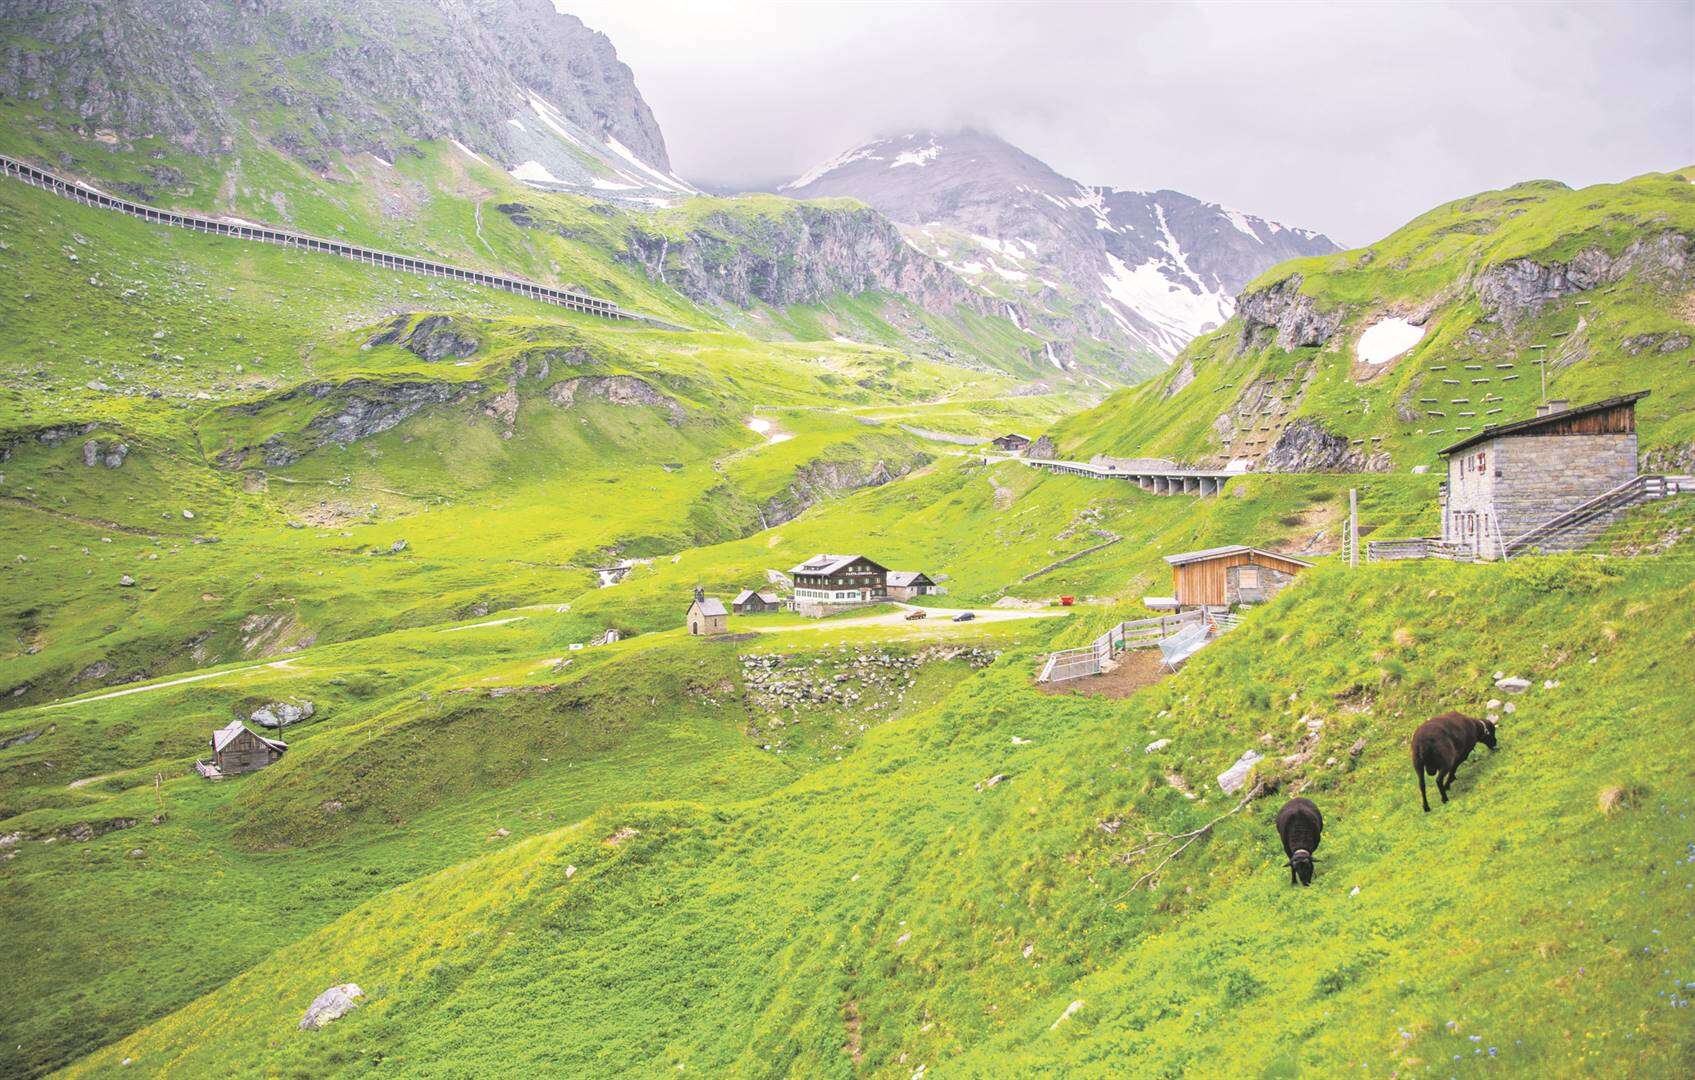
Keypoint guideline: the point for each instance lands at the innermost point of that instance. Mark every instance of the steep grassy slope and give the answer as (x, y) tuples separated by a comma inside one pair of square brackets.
[(425, 743), (892, 911), (1597, 283), (251, 388)]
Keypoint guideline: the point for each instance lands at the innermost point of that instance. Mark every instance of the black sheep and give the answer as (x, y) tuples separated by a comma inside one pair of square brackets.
[(1299, 825), (1441, 745)]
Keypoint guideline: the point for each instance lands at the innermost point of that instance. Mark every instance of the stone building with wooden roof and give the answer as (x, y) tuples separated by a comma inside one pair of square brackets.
[(907, 584), (706, 615), (1510, 483), (1011, 441), (1227, 576), (236, 749)]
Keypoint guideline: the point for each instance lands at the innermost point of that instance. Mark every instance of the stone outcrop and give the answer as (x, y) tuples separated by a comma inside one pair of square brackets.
[(1042, 447), (819, 480), (331, 1005), (357, 75), (802, 256), (1521, 287), (615, 390), (1291, 315), (357, 409), (108, 452), (1305, 446), (435, 337)]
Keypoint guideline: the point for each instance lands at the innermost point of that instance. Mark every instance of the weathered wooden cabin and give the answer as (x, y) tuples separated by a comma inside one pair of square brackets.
[(1227, 576), (1508, 480), (706, 615), (908, 584), (748, 602), (840, 579), (235, 749), (1011, 441)]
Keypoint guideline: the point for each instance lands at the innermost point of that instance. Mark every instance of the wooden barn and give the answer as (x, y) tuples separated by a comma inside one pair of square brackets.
[(1507, 481), (1227, 576), (907, 584), (1012, 441), (235, 749), (707, 616), (749, 602)]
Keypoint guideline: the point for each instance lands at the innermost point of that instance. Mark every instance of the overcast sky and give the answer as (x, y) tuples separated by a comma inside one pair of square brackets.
[(1347, 118)]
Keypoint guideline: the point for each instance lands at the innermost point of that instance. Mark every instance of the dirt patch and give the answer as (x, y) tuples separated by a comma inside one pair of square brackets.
[(854, 1047), (1137, 668)]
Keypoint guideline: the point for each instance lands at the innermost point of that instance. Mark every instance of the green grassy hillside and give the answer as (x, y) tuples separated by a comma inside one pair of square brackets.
[(1618, 319), (892, 911)]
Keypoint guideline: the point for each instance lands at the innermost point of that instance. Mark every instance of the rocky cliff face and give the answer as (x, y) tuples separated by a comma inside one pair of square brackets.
[(1521, 287), (1144, 271), (1293, 319), (802, 256), (820, 480), (320, 75)]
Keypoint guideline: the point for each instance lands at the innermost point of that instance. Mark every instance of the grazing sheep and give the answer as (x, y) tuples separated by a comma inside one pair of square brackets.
[(1299, 825), (1441, 745)]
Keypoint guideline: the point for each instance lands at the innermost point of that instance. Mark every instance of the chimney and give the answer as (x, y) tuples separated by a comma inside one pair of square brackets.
[(1549, 408)]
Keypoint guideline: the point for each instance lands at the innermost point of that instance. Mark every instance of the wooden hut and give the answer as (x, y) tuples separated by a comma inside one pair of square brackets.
[(1226, 576), (706, 615), (236, 749), (1011, 441), (748, 602)]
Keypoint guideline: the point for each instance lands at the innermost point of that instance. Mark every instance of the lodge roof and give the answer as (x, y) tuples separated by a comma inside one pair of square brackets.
[(1520, 427), (711, 606), (827, 564), (747, 594), (1205, 554)]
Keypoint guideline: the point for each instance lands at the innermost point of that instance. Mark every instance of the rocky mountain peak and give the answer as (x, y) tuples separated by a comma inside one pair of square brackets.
[(1144, 271)]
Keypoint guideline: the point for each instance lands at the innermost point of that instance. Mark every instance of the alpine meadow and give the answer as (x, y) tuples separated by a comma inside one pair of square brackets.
[(485, 591)]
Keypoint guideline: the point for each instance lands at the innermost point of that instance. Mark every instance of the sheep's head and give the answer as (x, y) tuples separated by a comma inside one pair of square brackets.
[(1300, 866), (1486, 733)]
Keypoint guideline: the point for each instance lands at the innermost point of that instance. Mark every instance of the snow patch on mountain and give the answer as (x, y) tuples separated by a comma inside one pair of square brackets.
[(1178, 313), (1388, 338), (823, 168), (534, 172), (918, 158)]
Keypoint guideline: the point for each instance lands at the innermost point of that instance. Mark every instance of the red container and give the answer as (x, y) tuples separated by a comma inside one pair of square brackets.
[(1067, 601)]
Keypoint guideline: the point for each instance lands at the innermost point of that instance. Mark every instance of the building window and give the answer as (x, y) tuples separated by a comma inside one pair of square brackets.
[(1248, 578)]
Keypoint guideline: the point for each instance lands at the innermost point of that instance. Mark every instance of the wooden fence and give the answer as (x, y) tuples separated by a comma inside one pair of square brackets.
[(1138, 634)]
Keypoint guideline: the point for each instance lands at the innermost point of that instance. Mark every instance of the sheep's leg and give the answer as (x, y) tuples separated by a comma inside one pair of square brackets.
[(1442, 785), (1425, 795)]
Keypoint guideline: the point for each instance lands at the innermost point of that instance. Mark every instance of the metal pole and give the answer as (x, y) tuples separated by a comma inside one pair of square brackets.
[(1353, 528)]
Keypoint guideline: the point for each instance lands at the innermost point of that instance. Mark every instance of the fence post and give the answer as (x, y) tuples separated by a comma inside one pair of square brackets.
[(1353, 528)]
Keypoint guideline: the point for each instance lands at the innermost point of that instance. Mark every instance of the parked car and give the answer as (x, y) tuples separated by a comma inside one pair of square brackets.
[(965, 616), (917, 615)]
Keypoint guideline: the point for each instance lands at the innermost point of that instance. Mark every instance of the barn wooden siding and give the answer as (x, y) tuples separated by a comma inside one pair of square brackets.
[(1202, 582)]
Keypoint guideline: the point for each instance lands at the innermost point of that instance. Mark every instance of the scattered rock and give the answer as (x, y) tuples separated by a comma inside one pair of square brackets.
[(620, 836), (1232, 779), (126, 581), (282, 713), (1156, 746), (1070, 1011), (137, 853), (332, 1004), (984, 785), (397, 547), (1512, 685), (500, 834), (570, 871)]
